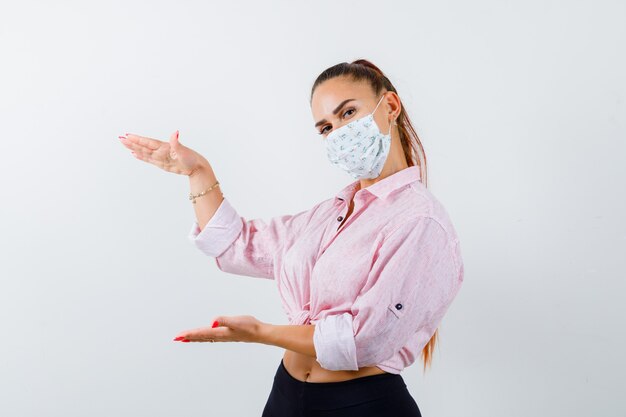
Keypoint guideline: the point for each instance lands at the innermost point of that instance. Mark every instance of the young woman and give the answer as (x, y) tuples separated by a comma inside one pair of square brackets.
[(365, 276)]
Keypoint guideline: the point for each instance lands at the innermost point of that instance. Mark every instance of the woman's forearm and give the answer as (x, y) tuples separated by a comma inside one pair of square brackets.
[(298, 338), (206, 205)]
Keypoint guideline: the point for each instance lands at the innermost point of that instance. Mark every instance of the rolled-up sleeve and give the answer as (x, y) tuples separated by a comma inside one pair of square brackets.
[(246, 247), (219, 233), (414, 278)]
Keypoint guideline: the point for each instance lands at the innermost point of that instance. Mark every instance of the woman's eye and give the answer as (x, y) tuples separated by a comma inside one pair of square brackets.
[(321, 132), (344, 113)]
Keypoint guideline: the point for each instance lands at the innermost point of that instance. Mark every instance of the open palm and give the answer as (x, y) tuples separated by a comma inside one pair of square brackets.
[(170, 156)]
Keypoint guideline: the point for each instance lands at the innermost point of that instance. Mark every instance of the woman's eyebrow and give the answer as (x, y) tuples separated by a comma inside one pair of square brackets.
[(334, 111)]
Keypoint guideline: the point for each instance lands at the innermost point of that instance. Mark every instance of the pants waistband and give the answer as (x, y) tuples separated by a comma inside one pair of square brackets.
[(337, 394)]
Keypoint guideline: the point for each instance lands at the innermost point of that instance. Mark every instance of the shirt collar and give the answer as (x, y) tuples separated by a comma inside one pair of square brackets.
[(384, 187)]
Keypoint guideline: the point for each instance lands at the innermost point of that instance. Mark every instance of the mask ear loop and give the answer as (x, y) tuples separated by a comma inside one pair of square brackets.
[(379, 101), (391, 122)]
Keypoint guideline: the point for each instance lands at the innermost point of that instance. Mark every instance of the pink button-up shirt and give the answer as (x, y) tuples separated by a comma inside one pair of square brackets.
[(376, 287)]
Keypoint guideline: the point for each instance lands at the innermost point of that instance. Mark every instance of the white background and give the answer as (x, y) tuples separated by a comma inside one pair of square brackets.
[(520, 107)]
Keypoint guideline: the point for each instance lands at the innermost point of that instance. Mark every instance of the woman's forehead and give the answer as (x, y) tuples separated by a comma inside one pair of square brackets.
[(339, 87), (331, 93)]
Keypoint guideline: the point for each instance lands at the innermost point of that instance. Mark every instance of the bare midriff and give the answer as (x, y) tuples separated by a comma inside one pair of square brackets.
[(307, 369)]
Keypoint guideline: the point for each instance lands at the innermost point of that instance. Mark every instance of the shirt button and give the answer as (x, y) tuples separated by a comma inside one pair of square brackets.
[(340, 218), (398, 306)]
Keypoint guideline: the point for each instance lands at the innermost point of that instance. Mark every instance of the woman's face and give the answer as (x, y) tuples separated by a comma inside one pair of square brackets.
[(339, 101)]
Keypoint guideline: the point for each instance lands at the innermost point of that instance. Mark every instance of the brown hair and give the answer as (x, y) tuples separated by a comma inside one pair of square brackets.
[(364, 70)]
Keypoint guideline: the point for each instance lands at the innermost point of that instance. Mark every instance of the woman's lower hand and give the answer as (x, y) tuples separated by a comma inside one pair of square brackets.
[(170, 156), (226, 329)]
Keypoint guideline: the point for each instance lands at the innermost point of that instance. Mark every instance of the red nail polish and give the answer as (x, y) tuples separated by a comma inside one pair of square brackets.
[(177, 134), (215, 324), (185, 340), (179, 338)]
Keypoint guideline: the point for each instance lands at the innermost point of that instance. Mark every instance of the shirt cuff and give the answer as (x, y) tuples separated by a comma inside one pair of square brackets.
[(219, 233), (333, 339)]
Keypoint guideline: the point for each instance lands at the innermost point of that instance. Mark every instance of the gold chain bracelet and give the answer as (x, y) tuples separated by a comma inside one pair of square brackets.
[(193, 197)]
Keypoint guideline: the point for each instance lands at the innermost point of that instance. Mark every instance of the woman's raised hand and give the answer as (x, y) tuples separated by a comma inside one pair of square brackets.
[(170, 156)]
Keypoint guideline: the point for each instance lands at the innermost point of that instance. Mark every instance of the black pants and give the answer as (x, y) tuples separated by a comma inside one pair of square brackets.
[(378, 395)]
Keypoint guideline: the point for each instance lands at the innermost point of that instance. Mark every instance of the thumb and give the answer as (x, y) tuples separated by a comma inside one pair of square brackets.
[(174, 145), (220, 321)]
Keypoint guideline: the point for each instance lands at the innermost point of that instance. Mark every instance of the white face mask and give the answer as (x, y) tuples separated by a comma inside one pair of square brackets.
[(359, 148)]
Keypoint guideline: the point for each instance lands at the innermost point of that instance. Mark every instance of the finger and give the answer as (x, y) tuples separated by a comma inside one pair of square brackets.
[(159, 160), (182, 338), (149, 158), (143, 141), (174, 141), (201, 336), (204, 334), (134, 146), (192, 336), (139, 155), (174, 145), (148, 155)]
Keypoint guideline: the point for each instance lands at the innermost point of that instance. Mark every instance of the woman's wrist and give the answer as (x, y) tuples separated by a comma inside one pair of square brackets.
[(205, 193), (201, 178), (200, 169), (264, 333), (298, 338)]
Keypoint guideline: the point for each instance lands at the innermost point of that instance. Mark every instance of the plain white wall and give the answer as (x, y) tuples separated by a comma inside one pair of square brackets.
[(520, 107)]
